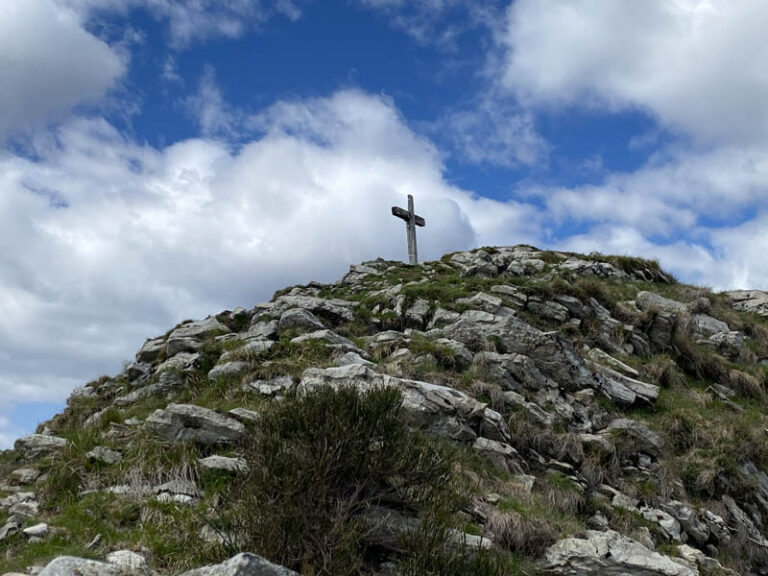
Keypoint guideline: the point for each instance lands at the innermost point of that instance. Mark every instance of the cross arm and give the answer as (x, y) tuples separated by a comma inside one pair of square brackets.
[(405, 215)]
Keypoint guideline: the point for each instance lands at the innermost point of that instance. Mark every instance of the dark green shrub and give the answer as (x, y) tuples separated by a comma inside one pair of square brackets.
[(319, 460)]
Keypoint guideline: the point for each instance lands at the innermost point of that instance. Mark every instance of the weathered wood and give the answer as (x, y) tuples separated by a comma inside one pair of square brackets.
[(411, 221)]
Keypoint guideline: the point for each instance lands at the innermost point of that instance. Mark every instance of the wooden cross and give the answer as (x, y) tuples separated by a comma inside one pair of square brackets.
[(411, 221)]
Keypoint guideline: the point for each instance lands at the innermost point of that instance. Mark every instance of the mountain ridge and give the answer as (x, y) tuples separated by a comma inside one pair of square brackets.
[(503, 410)]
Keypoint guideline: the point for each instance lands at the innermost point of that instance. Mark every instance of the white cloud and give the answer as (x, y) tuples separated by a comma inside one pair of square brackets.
[(48, 64), (696, 65), (208, 106), (196, 20), (106, 242), (494, 132)]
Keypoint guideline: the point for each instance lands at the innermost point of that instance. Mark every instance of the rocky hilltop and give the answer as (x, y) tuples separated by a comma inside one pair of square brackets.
[(499, 411)]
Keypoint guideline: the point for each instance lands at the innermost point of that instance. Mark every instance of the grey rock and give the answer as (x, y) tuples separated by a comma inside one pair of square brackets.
[(245, 415), (661, 331), (729, 343), (574, 306), (69, 566), (482, 301), (38, 445), (276, 386), (518, 298), (330, 338), (441, 410), (416, 315), (127, 559), (689, 521), (177, 491), (243, 565), (186, 422), (11, 527), (349, 358), (606, 359), (151, 349), (105, 455), (184, 361), (37, 531), (704, 325), (138, 371), (609, 554), (228, 370), (645, 440), (615, 383), (263, 329), (199, 329), (755, 301), (223, 463), (669, 526), (548, 310), (181, 344), (299, 318), (650, 301), (24, 476), (442, 317), (166, 382)]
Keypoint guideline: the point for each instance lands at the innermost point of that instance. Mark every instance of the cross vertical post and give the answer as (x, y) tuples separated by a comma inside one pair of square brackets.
[(411, 221)]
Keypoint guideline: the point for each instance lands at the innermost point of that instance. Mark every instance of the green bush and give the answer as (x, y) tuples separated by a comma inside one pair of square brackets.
[(320, 459)]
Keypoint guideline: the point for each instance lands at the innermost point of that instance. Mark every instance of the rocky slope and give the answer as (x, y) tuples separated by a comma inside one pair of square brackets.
[(500, 411)]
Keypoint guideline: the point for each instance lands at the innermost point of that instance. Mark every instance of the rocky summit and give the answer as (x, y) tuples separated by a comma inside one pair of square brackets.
[(502, 411)]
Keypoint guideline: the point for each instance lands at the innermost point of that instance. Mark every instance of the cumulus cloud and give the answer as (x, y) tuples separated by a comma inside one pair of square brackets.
[(48, 64), (122, 240), (695, 65)]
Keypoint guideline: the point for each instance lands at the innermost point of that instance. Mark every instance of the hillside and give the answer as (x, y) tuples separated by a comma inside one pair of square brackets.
[(499, 411)]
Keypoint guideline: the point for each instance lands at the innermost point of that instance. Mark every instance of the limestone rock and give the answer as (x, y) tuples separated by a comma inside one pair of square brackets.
[(228, 370), (199, 329), (38, 445), (69, 566), (650, 301), (105, 455), (755, 301), (301, 319), (177, 491), (645, 440), (609, 554), (177, 345), (223, 463), (243, 565), (127, 559), (441, 410), (151, 349), (186, 422)]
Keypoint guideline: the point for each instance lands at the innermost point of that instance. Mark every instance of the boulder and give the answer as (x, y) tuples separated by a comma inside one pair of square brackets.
[(223, 463), (438, 409), (69, 566), (177, 345), (644, 439), (609, 554), (105, 455), (243, 565), (650, 301), (128, 559), (178, 491), (755, 301), (187, 422), (298, 318), (228, 370), (38, 445), (199, 329), (151, 349)]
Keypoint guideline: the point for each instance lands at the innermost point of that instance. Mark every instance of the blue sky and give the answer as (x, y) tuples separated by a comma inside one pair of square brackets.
[(168, 159)]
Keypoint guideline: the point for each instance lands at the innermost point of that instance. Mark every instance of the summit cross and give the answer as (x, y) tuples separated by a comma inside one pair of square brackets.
[(411, 221)]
